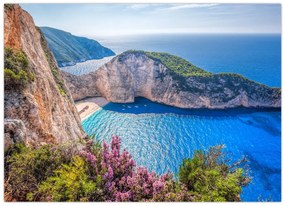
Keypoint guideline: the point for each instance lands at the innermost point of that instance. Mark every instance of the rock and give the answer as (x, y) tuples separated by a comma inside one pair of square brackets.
[(81, 86), (14, 132), (45, 105), (135, 74)]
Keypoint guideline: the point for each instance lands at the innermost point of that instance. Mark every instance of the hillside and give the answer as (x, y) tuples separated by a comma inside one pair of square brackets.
[(171, 80), (176, 64), (69, 49), (38, 108)]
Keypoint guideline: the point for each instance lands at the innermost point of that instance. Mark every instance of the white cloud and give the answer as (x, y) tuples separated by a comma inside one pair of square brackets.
[(138, 6), (187, 6), (171, 7)]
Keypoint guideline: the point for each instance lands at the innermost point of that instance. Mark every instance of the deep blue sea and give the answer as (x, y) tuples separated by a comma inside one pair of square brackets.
[(160, 136), (257, 57)]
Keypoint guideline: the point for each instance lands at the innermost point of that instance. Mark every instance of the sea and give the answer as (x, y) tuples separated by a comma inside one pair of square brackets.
[(159, 137)]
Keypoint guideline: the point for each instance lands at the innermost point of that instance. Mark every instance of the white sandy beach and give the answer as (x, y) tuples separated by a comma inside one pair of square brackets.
[(88, 106)]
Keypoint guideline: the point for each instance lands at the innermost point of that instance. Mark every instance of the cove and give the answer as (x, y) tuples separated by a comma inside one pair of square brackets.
[(160, 136)]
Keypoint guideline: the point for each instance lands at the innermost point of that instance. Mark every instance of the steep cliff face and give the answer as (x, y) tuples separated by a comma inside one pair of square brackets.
[(137, 73), (81, 86), (43, 106)]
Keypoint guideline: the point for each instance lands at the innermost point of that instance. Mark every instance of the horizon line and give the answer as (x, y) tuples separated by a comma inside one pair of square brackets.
[(169, 33)]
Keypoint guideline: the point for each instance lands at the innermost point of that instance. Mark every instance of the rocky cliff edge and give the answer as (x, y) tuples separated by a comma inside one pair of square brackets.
[(38, 107), (170, 80)]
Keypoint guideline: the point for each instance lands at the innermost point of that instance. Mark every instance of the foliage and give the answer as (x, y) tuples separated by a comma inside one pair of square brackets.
[(70, 183), (176, 64), (27, 167), (188, 77), (16, 69), (21, 77), (8, 6), (107, 173), (209, 176), (124, 182)]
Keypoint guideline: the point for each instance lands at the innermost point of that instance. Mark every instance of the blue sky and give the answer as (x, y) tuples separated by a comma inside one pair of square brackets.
[(119, 19)]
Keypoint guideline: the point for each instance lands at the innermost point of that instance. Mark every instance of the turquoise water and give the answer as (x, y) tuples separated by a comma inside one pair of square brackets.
[(160, 136)]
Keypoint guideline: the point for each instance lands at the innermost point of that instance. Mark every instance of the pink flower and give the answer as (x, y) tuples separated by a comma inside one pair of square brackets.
[(122, 181), (122, 196), (158, 186)]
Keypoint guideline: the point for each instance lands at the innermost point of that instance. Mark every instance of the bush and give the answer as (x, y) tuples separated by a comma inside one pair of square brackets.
[(70, 183), (16, 70), (123, 181), (21, 77), (8, 6), (210, 178), (177, 64), (108, 174), (26, 168)]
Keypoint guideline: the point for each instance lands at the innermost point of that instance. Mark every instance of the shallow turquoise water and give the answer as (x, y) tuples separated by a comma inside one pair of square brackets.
[(159, 137)]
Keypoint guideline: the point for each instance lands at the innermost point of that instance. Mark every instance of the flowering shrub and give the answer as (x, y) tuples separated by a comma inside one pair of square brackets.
[(122, 181), (106, 173)]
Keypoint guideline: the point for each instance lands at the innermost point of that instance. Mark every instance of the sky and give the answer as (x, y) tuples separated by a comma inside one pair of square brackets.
[(126, 19)]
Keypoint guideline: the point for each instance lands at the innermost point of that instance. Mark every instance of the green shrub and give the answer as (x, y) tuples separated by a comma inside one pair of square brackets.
[(8, 6), (208, 176), (27, 167), (177, 64), (70, 183), (61, 90), (182, 71), (21, 77), (59, 173), (16, 70)]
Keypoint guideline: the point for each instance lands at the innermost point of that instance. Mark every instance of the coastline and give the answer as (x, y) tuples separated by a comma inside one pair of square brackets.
[(88, 106), (85, 67)]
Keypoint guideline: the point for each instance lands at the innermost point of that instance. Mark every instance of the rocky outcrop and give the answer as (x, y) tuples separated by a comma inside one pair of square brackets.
[(15, 132), (81, 86), (136, 74), (44, 105)]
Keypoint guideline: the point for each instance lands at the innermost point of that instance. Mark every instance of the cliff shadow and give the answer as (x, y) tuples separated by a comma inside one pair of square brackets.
[(143, 106)]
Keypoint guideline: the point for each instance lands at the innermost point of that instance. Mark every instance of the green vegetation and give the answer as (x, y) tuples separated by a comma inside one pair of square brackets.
[(73, 177), (187, 77), (55, 71), (103, 173), (28, 167), (177, 64), (8, 6), (16, 69), (69, 49), (209, 176), (59, 82)]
